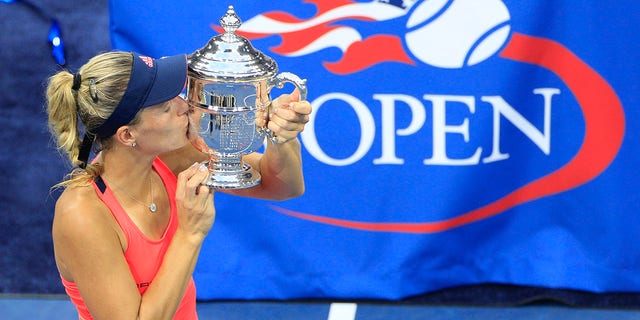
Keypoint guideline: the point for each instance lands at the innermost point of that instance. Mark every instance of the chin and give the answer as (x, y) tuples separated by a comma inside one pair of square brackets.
[(191, 138)]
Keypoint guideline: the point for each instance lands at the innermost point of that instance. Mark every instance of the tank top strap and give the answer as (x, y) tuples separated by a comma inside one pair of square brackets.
[(106, 194), (108, 197)]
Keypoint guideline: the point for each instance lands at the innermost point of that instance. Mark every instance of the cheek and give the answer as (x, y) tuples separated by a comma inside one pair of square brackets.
[(168, 126), (157, 128)]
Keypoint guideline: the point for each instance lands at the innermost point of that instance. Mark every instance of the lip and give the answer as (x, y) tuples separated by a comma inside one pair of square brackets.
[(188, 129), (191, 129)]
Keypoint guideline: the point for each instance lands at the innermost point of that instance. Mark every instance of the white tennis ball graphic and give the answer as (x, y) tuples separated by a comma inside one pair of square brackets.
[(465, 33)]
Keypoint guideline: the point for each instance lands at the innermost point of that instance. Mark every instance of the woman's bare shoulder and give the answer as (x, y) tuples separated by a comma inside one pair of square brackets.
[(77, 210), (85, 234)]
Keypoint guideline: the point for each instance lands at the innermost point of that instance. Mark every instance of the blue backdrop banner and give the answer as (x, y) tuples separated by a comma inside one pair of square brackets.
[(452, 142)]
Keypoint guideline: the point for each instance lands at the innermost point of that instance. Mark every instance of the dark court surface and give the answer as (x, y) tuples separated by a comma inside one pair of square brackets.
[(58, 307)]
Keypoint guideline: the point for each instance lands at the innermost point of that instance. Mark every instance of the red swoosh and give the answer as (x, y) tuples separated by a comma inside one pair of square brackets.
[(604, 132), (368, 52), (326, 5)]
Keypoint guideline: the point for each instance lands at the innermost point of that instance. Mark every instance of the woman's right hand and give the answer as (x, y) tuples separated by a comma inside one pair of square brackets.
[(196, 212)]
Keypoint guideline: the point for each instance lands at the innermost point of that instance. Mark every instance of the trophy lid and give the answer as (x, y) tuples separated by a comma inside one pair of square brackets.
[(230, 57)]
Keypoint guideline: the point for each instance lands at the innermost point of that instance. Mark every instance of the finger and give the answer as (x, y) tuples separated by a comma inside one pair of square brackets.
[(289, 119), (279, 125), (284, 100), (196, 180), (295, 95), (202, 187), (183, 177), (281, 135), (301, 107), (203, 198), (280, 101), (206, 200), (293, 111)]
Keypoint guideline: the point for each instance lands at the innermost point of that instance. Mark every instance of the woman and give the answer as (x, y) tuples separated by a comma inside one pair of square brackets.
[(129, 226)]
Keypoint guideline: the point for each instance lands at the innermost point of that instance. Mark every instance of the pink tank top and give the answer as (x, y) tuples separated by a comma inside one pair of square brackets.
[(143, 255)]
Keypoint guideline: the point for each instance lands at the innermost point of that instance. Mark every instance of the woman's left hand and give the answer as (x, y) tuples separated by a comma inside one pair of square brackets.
[(288, 116)]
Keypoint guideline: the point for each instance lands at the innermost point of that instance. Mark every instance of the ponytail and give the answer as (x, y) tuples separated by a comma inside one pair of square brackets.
[(80, 102)]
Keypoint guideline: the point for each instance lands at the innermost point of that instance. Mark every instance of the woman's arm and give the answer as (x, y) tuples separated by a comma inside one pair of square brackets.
[(196, 214), (281, 164), (281, 170), (89, 251)]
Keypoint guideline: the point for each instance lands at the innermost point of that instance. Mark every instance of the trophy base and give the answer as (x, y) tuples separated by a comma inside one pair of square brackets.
[(246, 177)]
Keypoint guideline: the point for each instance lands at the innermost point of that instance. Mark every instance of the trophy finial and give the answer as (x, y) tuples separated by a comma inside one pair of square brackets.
[(230, 22)]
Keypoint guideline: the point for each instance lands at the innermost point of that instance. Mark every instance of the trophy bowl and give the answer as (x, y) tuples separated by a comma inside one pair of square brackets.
[(228, 85)]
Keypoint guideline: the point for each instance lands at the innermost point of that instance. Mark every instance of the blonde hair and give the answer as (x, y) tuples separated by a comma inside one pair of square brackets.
[(104, 79)]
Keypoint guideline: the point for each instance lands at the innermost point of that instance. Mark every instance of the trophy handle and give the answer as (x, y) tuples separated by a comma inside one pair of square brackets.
[(284, 77), (279, 81)]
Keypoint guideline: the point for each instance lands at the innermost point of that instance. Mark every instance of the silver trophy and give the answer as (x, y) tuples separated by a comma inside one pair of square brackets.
[(229, 84)]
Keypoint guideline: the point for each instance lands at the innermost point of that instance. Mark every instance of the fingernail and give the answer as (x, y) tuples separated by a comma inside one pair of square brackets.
[(203, 167)]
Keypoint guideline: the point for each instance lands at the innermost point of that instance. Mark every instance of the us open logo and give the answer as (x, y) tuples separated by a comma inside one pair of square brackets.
[(452, 34), (440, 33)]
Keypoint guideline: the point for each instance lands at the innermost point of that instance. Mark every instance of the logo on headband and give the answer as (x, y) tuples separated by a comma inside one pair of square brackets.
[(147, 60)]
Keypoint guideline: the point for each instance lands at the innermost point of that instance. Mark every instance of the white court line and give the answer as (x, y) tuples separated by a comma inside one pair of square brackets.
[(342, 311)]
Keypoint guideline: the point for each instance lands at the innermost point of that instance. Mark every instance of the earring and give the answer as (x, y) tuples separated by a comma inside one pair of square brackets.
[(133, 144)]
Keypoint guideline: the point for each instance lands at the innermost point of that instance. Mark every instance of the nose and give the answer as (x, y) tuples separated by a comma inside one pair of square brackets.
[(183, 106)]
